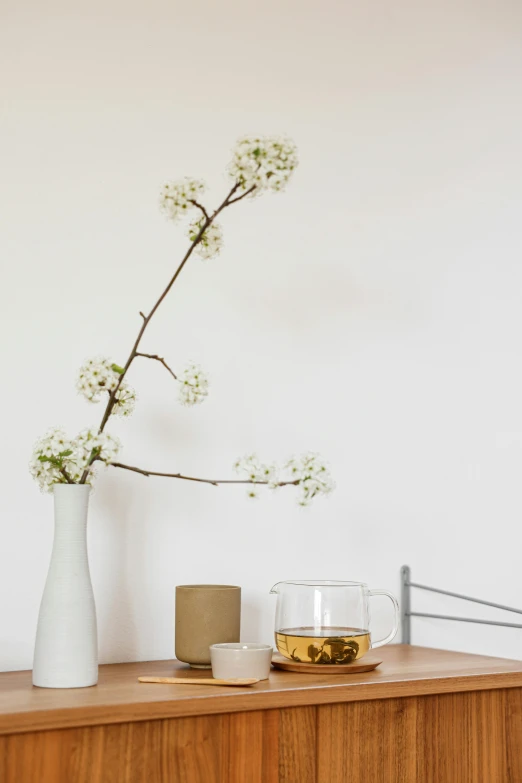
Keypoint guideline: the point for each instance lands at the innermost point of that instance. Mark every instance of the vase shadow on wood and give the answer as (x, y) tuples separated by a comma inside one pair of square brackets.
[(66, 647)]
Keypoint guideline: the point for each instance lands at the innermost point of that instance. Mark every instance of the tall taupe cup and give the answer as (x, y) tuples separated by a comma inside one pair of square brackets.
[(205, 615)]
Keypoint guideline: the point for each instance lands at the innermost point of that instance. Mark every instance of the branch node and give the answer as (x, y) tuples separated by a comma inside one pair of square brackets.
[(158, 359), (243, 195), (201, 207)]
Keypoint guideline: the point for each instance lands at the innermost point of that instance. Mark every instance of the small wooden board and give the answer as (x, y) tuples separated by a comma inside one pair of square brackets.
[(366, 664)]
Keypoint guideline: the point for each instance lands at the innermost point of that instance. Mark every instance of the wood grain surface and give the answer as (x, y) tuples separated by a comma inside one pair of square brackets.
[(467, 737), (120, 698), (447, 738)]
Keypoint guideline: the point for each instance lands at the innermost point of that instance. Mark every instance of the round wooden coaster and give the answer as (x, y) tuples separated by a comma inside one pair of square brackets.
[(367, 664)]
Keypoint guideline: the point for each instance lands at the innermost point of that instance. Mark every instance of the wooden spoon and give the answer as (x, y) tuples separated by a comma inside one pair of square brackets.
[(196, 681)]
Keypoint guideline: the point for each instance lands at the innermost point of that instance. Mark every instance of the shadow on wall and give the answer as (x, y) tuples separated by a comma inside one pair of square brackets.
[(251, 621), (118, 637)]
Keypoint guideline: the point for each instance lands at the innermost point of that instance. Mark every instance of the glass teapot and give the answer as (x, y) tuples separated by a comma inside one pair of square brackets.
[(326, 622)]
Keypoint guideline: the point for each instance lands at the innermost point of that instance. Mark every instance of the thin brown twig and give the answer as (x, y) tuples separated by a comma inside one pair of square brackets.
[(158, 359), (244, 195), (201, 207), (214, 482)]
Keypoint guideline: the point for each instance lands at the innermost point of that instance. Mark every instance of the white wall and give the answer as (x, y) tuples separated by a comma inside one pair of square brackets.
[(371, 313)]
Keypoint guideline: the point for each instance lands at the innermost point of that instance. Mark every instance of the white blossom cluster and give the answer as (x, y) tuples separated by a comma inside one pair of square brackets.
[(313, 475), (263, 162), (252, 469), (211, 242), (309, 473), (53, 453), (193, 385), (58, 459), (99, 376), (96, 376), (176, 197), (105, 445), (125, 400)]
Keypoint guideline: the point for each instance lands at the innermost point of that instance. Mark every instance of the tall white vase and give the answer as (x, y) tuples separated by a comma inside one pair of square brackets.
[(66, 649)]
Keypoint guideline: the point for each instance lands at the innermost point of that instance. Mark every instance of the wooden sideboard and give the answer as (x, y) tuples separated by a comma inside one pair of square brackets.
[(424, 716)]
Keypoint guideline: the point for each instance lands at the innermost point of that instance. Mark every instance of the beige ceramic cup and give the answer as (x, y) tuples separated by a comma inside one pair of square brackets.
[(246, 659), (205, 615)]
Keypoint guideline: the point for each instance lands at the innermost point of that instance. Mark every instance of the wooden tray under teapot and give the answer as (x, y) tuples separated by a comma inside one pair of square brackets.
[(366, 664)]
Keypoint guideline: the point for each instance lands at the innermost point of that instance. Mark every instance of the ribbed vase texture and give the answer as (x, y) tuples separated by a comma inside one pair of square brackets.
[(66, 648)]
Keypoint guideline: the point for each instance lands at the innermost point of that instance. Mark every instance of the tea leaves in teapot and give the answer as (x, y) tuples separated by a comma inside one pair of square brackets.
[(323, 645)]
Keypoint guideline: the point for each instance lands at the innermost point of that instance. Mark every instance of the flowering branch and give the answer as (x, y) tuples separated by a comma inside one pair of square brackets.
[(259, 164), (147, 319), (113, 397), (158, 359), (214, 482)]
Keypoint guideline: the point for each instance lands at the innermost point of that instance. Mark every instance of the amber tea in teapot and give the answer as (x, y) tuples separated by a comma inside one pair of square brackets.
[(323, 645), (326, 622)]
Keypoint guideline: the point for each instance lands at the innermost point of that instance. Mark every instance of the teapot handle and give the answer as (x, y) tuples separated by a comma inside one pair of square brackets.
[(380, 642)]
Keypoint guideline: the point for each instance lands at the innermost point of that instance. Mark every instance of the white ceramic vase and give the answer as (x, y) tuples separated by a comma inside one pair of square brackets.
[(66, 649)]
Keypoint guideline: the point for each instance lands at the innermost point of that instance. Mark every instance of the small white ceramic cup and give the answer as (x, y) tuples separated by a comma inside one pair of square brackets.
[(240, 659)]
